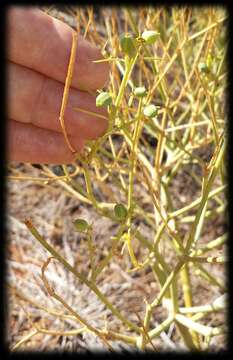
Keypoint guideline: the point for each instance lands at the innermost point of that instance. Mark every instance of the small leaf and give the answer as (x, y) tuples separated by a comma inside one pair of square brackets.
[(150, 36), (150, 111), (103, 99), (120, 211), (140, 91), (81, 225)]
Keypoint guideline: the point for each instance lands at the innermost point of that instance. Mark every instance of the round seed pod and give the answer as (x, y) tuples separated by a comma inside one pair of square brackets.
[(81, 225), (103, 99), (150, 36), (203, 68), (140, 91), (150, 111), (127, 43), (120, 212)]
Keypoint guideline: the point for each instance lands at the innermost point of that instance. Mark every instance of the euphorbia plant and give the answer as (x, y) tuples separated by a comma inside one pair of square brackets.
[(158, 122)]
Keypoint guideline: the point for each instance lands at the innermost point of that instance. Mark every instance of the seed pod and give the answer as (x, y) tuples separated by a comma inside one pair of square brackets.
[(127, 43), (140, 91), (150, 111), (120, 211), (103, 99), (150, 36), (81, 225), (203, 68)]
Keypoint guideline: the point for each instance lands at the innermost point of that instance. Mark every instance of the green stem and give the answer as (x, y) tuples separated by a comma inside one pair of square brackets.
[(80, 276), (129, 64), (133, 162), (212, 175)]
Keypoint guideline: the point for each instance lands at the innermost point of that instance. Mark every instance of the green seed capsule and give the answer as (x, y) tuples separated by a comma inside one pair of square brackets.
[(140, 91), (150, 111), (120, 211), (81, 225), (203, 68), (150, 36), (103, 99), (127, 43)]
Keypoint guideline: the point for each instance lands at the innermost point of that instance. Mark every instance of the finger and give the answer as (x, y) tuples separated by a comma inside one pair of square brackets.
[(43, 43), (35, 98), (28, 143)]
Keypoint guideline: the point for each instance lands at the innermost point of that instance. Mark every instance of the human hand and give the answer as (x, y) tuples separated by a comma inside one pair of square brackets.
[(38, 57)]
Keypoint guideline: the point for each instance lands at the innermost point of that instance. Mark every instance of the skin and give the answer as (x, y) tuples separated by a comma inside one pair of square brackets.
[(38, 56)]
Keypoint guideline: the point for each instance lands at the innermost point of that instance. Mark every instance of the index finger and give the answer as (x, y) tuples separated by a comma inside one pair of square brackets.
[(43, 43)]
